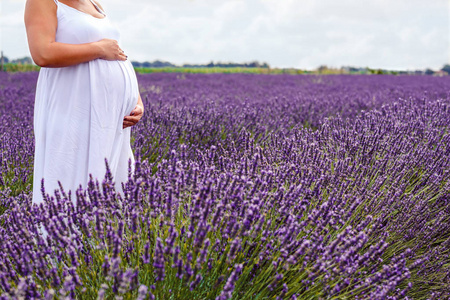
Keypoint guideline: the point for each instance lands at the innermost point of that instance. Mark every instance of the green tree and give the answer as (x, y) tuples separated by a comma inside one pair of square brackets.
[(446, 68)]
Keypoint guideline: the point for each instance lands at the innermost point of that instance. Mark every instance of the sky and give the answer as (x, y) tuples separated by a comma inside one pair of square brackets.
[(386, 34)]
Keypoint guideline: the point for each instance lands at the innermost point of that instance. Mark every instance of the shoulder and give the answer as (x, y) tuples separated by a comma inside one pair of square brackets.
[(40, 8), (40, 4), (45, 3)]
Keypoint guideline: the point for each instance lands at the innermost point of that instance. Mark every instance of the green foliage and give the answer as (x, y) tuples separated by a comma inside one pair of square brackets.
[(214, 70), (12, 68)]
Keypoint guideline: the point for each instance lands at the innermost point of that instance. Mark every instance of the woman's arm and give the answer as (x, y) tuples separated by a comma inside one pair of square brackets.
[(41, 23)]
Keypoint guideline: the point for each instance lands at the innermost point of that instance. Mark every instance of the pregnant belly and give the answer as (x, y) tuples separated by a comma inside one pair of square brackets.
[(114, 92)]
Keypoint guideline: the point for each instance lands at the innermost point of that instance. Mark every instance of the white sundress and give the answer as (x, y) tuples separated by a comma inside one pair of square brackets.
[(79, 111)]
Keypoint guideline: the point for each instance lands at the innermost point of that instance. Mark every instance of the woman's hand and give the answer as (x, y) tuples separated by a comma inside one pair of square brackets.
[(135, 115), (110, 50)]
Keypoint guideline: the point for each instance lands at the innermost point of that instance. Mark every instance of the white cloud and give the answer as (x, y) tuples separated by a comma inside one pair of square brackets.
[(286, 33)]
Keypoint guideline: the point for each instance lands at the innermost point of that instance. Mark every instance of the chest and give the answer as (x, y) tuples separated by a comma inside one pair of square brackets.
[(77, 27)]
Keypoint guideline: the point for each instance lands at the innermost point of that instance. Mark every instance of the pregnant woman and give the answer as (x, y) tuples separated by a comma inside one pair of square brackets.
[(87, 95)]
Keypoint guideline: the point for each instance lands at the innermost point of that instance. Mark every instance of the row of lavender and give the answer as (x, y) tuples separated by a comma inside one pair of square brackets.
[(247, 187)]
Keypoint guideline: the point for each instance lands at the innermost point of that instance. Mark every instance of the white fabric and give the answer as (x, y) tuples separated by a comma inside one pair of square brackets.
[(79, 111)]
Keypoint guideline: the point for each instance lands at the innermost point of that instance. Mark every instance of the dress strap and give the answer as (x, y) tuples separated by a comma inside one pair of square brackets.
[(56, 1), (97, 7)]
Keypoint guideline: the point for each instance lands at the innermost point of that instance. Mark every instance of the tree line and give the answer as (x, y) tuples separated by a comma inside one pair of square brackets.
[(165, 64)]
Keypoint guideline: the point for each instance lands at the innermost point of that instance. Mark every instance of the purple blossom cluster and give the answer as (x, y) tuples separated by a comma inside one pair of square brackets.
[(245, 186)]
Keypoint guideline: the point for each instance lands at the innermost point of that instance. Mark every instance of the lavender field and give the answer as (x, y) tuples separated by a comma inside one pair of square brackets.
[(246, 187)]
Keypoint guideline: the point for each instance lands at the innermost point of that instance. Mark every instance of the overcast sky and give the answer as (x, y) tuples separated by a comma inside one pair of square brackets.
[(389, 34)]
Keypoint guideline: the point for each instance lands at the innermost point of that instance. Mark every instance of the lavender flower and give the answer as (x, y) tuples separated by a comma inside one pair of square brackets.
[(310, 186)]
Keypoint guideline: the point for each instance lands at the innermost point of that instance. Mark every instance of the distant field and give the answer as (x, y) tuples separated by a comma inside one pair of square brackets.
[(12, 68), (28, 68), (220, 70), (20, 68)]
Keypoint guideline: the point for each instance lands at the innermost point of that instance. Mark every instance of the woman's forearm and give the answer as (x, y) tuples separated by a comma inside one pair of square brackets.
[(56, 55)]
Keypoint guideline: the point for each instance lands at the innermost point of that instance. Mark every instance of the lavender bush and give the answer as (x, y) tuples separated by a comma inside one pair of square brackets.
[(245, 187)]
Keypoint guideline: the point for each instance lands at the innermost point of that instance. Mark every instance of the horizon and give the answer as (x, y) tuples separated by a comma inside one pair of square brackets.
[(270, 67)]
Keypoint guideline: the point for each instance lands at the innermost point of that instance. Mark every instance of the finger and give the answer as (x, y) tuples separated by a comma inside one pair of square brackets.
[(137, 112), (134, 111), (128, 125), (132, 118), (131, 121), (134, 121)]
